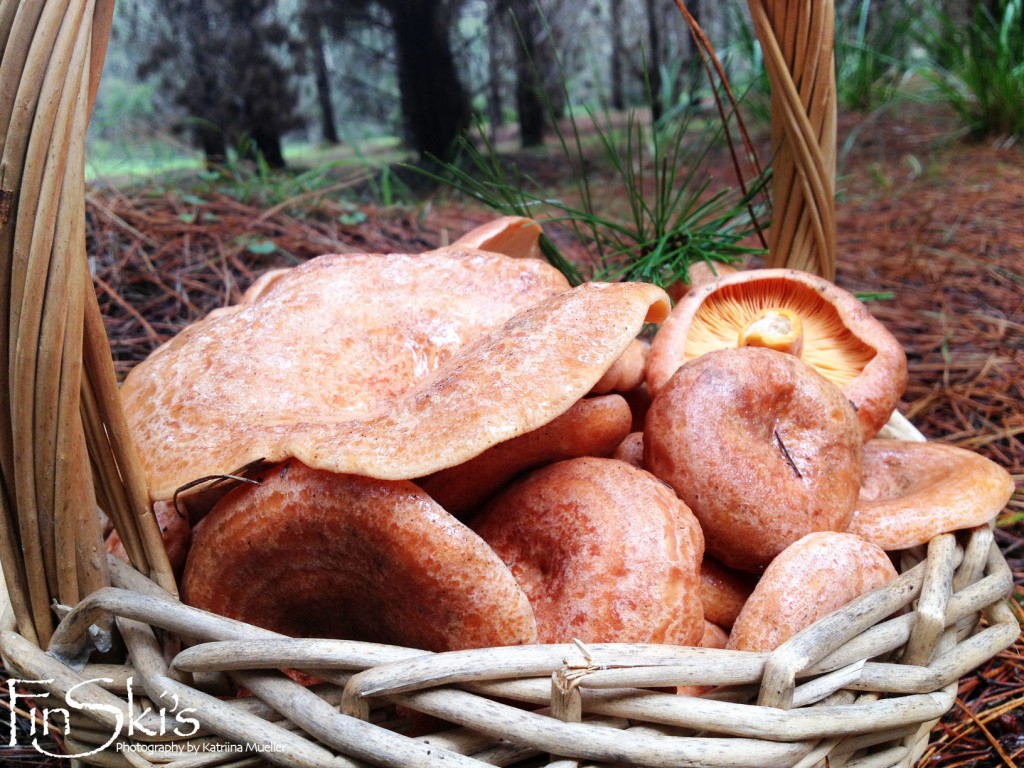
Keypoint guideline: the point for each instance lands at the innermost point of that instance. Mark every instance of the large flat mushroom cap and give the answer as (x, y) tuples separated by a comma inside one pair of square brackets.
[(833, 332), (281, 378), (335, 338), (310, 553), (508, 382), (912, 492)]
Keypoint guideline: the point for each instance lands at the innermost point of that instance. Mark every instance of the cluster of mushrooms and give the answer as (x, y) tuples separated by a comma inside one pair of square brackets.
[(457, 449)]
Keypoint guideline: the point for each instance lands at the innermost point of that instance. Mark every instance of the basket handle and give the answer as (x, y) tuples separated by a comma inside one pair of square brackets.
[(63, 446), (797, 39)]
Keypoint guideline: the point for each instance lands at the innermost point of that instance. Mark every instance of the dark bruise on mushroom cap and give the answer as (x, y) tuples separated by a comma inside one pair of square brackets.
[(795, 312)]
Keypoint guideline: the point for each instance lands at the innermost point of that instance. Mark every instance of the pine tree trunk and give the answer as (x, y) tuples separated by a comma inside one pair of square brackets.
[(617, 92), (435, 106), (495, 30), (315, 39), (268, 142), (529, 89), (654, 60)]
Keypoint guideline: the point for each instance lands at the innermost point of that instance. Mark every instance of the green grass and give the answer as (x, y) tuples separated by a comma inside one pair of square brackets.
[(871, 54), (978, 69), (136, 162), (125, 162)]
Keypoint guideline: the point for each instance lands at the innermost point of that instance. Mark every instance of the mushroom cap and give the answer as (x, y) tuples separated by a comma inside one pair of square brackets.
[(631, 450), (514, 236), (604, 551), (813, 577), (841, 339), (593, 426), (310, 553), (723, 591), (760, 446), (628, 372), (385, 386), (912, 492), (714, 636)]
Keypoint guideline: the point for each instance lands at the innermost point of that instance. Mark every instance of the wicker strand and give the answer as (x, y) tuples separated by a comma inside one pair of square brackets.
[(59, 467), (50, 535), (931, 607), (796, 40), (36, 220), (17, 105)]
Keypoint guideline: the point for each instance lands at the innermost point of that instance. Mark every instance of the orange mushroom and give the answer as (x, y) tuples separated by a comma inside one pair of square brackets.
[(310, 553), (514, 236), (760, 446), (795, 312), (604, 551), (631, 450), (591, 427), (628, 372), (813, 577), (723, 591), (912, 492), (282, 378)]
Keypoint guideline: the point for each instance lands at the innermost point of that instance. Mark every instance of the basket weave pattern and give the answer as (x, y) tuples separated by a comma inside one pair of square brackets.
[(861, 687)]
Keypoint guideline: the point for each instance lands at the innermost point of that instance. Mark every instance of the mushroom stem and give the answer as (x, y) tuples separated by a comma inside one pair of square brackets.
[(778, 329)]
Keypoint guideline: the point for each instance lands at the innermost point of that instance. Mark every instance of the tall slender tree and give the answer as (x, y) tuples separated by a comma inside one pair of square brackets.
[(312, 30), (618, 96), (435, 103), (529, 84), (224, 64)]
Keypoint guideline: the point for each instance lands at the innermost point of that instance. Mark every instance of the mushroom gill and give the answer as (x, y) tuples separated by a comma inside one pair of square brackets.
[(736, 315), (789, 311)]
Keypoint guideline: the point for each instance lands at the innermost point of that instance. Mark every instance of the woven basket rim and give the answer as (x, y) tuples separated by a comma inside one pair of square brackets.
[(844, 698)]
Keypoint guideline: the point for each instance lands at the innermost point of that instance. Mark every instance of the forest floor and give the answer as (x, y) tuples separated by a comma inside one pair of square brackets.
[(934, 219)]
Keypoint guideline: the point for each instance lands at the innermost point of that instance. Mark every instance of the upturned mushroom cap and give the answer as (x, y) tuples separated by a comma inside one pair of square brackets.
[(604, 551), (760, 446), (315, 554), (795, 312), (514, 236), (912, 492), (281, 377)]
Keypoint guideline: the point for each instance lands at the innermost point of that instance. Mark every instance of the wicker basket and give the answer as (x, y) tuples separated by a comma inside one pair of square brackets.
[(862, 687)]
